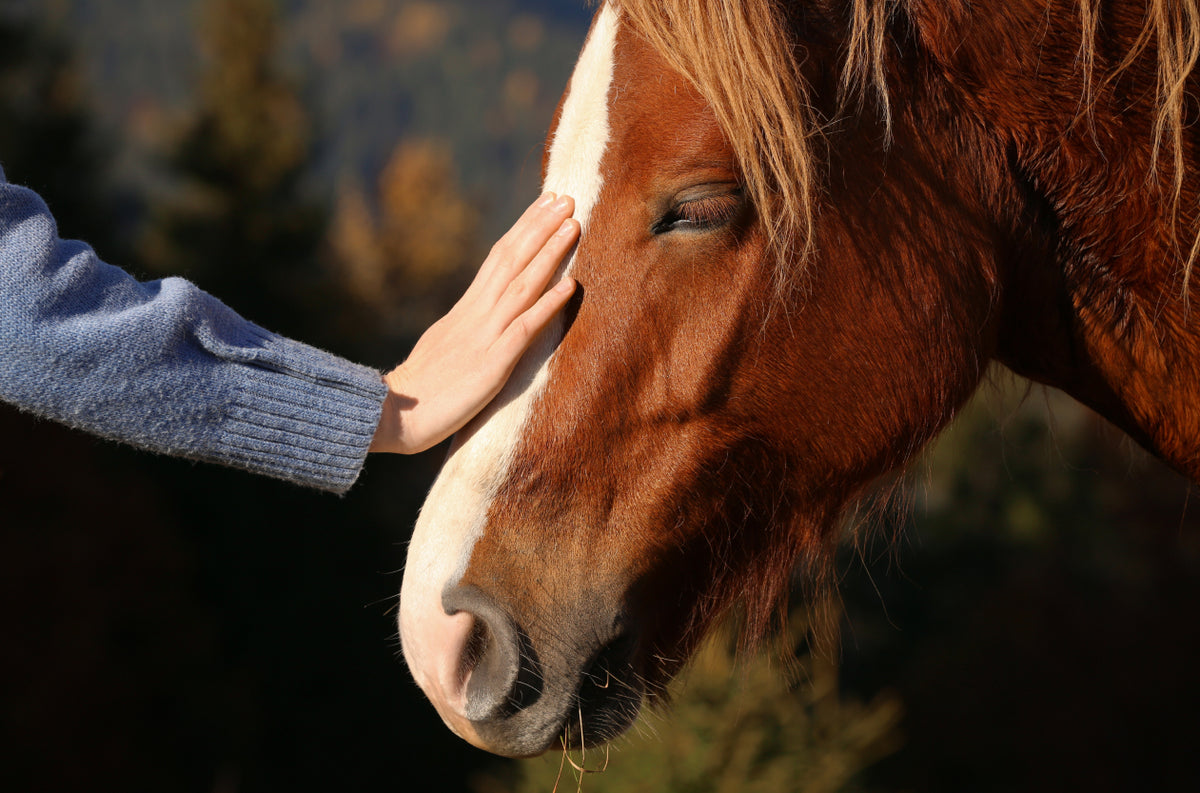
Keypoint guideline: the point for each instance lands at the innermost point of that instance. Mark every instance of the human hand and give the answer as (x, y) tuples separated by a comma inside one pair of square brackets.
[(464, 359)]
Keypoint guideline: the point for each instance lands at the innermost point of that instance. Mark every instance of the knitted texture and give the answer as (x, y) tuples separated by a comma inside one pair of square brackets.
[(167, 367)]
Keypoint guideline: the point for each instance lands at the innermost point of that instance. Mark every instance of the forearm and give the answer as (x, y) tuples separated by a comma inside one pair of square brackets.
[(165, 366)]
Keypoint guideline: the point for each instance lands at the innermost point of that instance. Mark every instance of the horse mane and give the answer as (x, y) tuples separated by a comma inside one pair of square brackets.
[(741, 55), (1175, 26)]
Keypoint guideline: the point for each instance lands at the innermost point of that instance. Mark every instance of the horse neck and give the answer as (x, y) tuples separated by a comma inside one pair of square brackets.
[(1093, 288)]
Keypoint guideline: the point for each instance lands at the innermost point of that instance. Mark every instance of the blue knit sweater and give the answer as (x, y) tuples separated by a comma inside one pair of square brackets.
[(167, 367)]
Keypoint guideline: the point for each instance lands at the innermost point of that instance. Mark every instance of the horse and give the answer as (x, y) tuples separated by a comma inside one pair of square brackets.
[(809, 228)]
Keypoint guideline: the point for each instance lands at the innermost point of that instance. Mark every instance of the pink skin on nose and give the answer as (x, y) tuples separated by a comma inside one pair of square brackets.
[(434, 644)]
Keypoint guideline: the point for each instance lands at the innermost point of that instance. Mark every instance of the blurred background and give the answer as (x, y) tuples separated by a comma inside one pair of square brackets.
[(336, 171)]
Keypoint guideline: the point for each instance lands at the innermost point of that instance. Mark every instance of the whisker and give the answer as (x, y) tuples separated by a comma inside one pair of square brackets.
[(562, 762)]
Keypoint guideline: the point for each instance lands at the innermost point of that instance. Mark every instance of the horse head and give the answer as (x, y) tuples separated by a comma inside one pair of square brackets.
[(739, 366)]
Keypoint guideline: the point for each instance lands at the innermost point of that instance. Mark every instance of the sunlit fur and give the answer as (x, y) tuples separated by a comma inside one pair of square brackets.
[(1174, 26)]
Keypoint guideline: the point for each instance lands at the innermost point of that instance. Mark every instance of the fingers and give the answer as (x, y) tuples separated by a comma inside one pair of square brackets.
[(510, 256), (525, 328), (527, 286)]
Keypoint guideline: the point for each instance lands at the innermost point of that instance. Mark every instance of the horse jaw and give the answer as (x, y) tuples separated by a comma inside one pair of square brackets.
[(452, 520)]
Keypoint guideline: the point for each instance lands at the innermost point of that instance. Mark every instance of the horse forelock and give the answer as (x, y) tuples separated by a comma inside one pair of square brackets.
[(745, 60), (741, 58)]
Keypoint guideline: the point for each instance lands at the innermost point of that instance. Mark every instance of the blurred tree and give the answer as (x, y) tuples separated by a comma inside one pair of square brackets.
[(240, 224), (47, 139), (420, 28), (410, 260)]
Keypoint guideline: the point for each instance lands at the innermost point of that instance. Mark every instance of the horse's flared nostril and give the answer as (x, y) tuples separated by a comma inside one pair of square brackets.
[(498, 662)]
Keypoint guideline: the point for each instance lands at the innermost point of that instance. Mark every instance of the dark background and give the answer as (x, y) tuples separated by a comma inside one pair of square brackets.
[(180, 627)]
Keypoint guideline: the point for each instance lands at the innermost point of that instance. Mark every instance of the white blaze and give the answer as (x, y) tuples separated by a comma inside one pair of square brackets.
[(454, 513)]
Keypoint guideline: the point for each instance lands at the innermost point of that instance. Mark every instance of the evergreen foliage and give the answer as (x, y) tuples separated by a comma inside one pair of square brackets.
[(47, 139), (241, 223)]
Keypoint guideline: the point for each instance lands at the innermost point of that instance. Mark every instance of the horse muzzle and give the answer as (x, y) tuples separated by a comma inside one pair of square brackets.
[(517, 693)]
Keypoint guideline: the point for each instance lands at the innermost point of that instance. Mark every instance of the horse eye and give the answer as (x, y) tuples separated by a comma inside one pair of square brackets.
[(701, 214)]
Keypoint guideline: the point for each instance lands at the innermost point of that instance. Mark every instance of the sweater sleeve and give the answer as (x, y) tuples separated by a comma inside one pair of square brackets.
[(167, 367)]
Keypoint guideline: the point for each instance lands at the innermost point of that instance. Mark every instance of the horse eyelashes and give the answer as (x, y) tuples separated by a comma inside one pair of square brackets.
[(708, 212), (700, 214)]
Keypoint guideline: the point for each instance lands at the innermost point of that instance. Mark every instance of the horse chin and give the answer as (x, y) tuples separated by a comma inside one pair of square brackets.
[(608, 700)]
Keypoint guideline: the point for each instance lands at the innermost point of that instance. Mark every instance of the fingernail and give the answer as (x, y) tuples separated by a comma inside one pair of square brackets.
[(567, 228), (565, 285), (547, 199), (562, 203)]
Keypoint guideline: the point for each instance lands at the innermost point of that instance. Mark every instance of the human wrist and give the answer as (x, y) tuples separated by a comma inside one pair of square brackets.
[(387, 433), (391, 436)]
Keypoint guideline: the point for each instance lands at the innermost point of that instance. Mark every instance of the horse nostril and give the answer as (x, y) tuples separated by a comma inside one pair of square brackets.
[(498, 662)]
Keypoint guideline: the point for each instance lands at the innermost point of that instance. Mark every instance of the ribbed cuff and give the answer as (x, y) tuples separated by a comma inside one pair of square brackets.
[(311, 428)]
